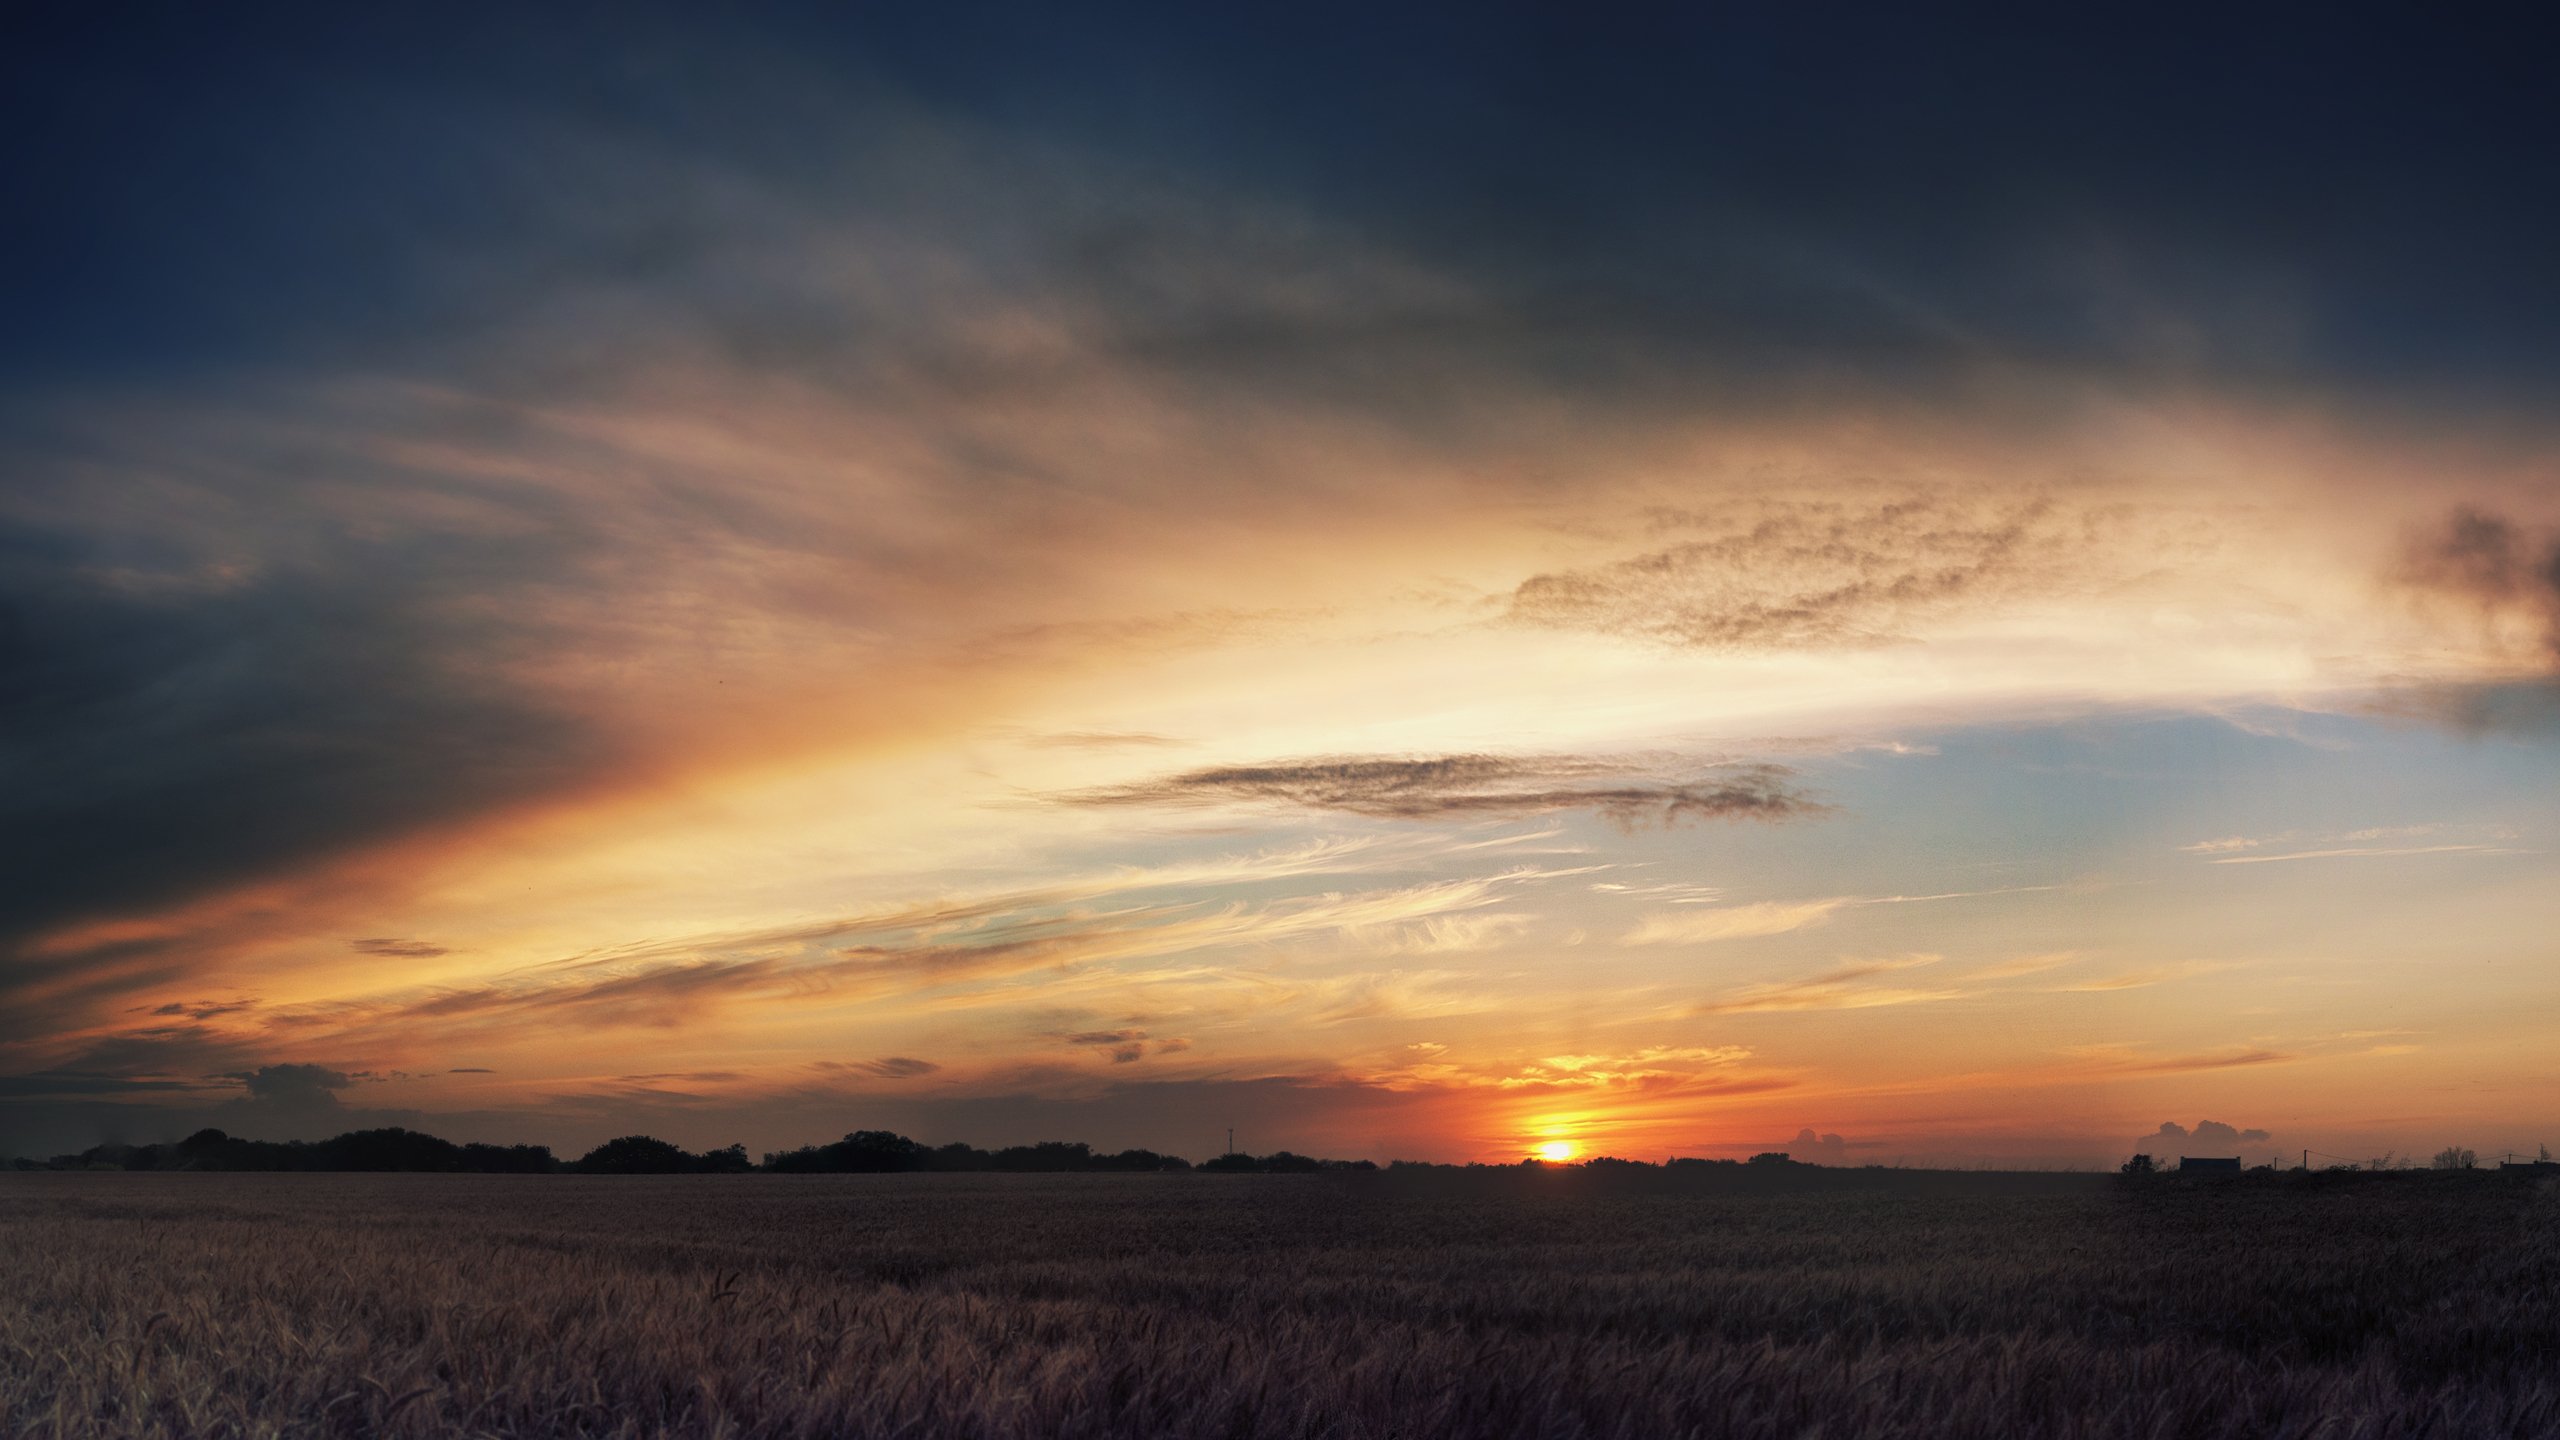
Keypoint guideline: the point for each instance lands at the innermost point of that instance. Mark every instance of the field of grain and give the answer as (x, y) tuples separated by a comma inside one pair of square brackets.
[(1250, 1306)]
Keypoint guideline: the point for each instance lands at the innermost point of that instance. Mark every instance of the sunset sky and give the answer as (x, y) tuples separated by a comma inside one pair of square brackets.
[(1416, 583)]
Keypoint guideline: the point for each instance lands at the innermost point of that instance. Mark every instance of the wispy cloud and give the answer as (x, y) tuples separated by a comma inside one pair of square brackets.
[(1815, 573), (1101, 740), (1710, 922), (398, 949), (2142, 978), (1124, 1046), (895, 1067), (2022, 966), (1845, 988), (1706, 926), (2224, 846), (2118, 1059), (2363, 853), (1462, 786)]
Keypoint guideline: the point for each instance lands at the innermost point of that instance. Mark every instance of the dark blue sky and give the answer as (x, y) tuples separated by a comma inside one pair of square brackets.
[(205, 187)]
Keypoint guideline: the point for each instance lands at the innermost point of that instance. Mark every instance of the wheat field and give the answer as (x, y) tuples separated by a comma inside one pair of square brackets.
[(1515, 1305)]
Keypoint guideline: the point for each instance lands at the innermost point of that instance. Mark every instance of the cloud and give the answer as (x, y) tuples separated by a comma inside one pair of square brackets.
[(1707, 925), (1842, 989), (1471, 786), (295, 1084), (1654, 1074), (2022, 966), (471, 1070), (46, 1083), (1048, 939), (2362, 852), (1124, 1046), (1782, 575), (1101, 740), (2509, 575), (662, 996), (2140, 979), (1388, 994), (2117, 1059), (1446, 934), (1044, 937), (1651, 1059), (1818, 1149), (896, 1067), (233, 712), (1127, 1046), (399, 949), (1709, 922), (2209, 1137), (204, 1009)]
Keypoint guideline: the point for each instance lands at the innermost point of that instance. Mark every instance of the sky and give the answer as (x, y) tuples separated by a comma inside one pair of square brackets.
[(1417, 582)]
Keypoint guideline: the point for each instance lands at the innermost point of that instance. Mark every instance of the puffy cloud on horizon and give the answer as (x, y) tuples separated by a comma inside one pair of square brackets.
[(2208, 1137)]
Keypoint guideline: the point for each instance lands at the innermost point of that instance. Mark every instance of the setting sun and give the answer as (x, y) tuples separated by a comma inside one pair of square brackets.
[(1556, 1151)]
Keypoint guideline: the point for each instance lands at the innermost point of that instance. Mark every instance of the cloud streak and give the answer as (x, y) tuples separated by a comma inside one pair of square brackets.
[(1844, 988), (1458, 787), (2361, 853), (1817, 574)]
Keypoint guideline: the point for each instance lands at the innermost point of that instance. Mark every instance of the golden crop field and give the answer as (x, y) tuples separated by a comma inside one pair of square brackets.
[(1507, 1304)]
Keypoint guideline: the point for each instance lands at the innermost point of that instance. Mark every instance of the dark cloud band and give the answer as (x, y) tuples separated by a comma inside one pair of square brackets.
[(1473, 786)]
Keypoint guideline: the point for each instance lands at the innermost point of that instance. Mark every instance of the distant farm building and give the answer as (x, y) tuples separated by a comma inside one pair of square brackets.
[(2208, 1165), (2530, 1167)]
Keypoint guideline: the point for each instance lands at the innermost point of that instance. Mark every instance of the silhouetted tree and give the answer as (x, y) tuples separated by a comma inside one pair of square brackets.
[(2140, 1165), (1139, 1161), (509, 1159), (876, 1152), (1048, 1155), (2454, 1157), (636, 1155), (386, 1149), (959, 1155)]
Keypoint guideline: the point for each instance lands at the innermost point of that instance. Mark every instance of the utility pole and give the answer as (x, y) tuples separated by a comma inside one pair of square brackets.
[(1231, 1139)]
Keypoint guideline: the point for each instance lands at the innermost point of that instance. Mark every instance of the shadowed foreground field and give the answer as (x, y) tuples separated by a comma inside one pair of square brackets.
[(1502, 1305)]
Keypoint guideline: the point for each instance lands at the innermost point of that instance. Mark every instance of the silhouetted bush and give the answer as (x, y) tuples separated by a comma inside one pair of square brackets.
[(512, 1159), (638, 1155), (1139, 1161), (1047, 1156)]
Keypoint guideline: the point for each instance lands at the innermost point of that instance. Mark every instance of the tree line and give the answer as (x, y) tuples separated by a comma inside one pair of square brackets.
[(864, 1152)]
